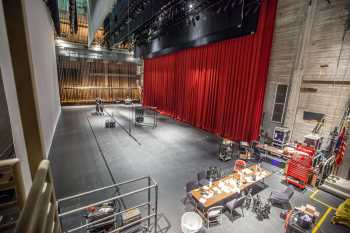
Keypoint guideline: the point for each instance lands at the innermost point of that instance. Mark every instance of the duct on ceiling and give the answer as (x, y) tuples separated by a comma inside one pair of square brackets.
[(97, 12), (64, 48)]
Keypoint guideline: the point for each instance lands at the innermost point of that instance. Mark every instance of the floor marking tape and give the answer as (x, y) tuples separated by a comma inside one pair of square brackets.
[(314, 193), (312, 196), (319, 223)]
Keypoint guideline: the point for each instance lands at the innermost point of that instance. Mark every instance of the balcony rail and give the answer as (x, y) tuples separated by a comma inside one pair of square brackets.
[(40, 214)]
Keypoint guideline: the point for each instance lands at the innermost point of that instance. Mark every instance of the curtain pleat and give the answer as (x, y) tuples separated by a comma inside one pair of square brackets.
[(219, 87)]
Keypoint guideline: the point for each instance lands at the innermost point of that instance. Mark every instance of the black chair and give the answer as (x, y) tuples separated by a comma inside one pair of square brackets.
[(189, 187), (282, 198), (227, 171), (235, 150), (257, 155), (202, 178), (235, 203), (214, 215)]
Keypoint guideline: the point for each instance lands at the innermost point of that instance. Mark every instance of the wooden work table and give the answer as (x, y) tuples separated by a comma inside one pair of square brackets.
[(227, 186), (273, 151)]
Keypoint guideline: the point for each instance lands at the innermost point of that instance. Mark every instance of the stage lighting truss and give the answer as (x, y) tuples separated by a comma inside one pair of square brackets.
[(175, 13)]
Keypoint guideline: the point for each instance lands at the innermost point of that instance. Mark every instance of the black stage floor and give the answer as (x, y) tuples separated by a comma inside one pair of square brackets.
[(172, 154)]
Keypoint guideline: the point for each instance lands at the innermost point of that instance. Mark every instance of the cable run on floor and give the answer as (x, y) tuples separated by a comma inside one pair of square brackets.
[(121, 126), (105, 162)]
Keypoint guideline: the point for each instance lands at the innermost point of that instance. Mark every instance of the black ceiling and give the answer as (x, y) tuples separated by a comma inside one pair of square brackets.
[(164, 26), (53, 7)]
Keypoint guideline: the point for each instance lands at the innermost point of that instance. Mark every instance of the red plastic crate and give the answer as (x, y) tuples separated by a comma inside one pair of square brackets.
[(306, 149)]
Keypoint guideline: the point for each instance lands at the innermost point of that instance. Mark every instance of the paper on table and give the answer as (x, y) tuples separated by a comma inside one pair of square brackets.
[(249, 179), (237, 190), (247, 171), (216, 189), (209, 195), (261, 176), (231, 182), (227, 189), (202, 200)]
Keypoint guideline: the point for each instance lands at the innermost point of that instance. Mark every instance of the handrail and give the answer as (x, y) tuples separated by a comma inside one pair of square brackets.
[(152, 207), (8, 151), (40, 214), (77, 210), (106, 218), (100, 189), (15, 164)]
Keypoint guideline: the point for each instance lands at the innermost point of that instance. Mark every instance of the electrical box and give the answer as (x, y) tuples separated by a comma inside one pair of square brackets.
[(280, 136), (313, 140)]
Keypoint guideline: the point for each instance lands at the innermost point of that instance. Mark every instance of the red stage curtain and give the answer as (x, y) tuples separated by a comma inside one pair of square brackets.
[(218, 87)]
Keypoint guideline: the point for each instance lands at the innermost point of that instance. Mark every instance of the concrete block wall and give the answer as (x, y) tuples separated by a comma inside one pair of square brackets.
[(288, 27), (311, 49)]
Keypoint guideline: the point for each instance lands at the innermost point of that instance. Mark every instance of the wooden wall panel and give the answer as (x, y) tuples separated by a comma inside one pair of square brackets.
[(81, 81)]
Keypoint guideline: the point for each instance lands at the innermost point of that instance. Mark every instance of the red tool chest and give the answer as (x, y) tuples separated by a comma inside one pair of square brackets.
[(299, 169)]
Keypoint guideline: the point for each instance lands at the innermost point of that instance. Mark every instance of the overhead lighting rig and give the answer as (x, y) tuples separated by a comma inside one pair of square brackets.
[(73, 16), (173, 13)]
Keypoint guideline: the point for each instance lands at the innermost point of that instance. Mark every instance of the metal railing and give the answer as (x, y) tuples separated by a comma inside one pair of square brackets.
[(327, 169), (8, 152), (152, 210), (14, 165), (145, 112), (40, 214)]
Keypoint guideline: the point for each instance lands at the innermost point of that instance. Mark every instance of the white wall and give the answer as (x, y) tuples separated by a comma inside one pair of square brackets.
[(12, 102), (42, 51), (42, 45), (5, 127)]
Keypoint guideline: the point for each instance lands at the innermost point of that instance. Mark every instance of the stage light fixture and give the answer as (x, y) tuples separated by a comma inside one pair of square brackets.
[(97, 47), (176, 13), (59, 41)]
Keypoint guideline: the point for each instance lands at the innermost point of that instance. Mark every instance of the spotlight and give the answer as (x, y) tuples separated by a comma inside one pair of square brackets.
[(59, 41), (97, 47), (190, 6)]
